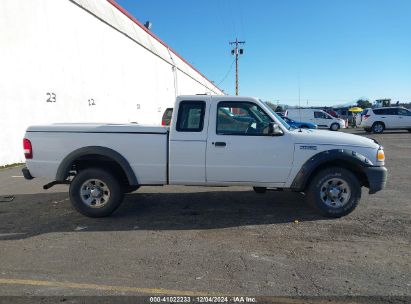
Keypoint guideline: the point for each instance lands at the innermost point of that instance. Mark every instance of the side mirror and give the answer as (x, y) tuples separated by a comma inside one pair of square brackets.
[(274, 129)]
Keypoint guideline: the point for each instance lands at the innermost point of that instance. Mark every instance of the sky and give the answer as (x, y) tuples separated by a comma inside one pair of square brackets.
[(316, 52)]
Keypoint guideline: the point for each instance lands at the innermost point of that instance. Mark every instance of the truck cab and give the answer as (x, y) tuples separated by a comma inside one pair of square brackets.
[(225, 140)]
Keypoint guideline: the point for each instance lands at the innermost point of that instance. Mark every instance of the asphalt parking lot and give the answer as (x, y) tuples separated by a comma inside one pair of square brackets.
[(213, 241)]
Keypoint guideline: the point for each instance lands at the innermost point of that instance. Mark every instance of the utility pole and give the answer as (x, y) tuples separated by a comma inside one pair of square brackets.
[(236, 51)]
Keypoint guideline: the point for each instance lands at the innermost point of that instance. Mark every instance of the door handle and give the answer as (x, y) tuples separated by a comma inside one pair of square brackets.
[(219, 144)]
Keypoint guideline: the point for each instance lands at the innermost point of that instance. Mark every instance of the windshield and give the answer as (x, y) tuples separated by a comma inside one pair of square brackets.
[(286, 125), (329, 116)]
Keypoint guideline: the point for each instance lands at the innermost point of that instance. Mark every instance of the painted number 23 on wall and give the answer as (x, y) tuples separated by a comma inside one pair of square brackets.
[(51, 97)]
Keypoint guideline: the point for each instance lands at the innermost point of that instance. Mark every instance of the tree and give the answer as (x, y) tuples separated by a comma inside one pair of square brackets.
[(364, 103)]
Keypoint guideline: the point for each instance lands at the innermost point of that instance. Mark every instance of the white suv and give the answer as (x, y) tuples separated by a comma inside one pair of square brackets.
[(380, 119)]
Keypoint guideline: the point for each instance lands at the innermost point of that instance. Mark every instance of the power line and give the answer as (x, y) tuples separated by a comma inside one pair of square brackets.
[(228, 73)]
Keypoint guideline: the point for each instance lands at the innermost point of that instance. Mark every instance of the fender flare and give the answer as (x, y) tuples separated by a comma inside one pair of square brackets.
[(66, 163), (355, 159)]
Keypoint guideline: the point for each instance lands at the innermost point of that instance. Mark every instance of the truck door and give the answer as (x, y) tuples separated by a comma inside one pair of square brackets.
[(187, 145), (239, 149)]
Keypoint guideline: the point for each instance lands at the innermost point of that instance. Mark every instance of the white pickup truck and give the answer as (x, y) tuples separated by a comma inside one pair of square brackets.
[(212, 141)]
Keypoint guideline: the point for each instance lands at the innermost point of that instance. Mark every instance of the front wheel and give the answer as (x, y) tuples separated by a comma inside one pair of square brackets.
[(95, 192), (334, 127), (334, 192)]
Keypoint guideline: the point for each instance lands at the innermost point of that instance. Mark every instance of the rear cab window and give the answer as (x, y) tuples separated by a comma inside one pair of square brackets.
[(190, 116)]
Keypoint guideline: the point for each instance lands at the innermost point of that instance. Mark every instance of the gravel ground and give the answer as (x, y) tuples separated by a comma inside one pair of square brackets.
[(214, 241)]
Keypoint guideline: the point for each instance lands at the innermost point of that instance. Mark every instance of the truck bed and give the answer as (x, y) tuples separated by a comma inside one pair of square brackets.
[(144, 147)]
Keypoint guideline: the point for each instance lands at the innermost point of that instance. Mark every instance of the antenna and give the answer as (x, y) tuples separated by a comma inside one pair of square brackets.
[(299, 100)]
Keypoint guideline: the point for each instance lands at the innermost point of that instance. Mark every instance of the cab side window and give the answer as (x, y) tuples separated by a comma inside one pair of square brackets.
[(190, 116), (241, 118)]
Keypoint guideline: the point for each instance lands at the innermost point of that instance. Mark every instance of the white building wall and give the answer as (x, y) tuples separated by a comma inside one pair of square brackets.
[(82, 61)]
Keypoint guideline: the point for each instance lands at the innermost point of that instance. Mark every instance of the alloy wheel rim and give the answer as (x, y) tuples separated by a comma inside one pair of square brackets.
[(95, 193), (335, 192), (378, 128)]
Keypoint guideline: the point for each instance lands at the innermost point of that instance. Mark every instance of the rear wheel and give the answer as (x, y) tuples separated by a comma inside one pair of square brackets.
[(334, 127), (334, 192), (378, 127), (95, 192)]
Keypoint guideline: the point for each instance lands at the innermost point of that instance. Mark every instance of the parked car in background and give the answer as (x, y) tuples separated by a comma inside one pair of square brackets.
[(390, 118), (318, 117), (299, 124), (166, 119)]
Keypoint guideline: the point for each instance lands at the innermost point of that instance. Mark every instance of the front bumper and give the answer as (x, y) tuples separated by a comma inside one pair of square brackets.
[(377, 178), (26, 173)]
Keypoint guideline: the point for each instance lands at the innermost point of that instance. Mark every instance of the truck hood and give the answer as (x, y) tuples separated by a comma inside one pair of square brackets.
[(324, 137)]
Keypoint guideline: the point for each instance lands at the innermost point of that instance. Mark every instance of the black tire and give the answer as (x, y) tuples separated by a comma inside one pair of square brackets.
[(334, 127), (111, 193), (315, 192), (378, 127), (260, 190), (129, 188)]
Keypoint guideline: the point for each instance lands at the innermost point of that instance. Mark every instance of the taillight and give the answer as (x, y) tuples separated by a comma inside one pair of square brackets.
[(28, 150), (366, 116), (163, 122)]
